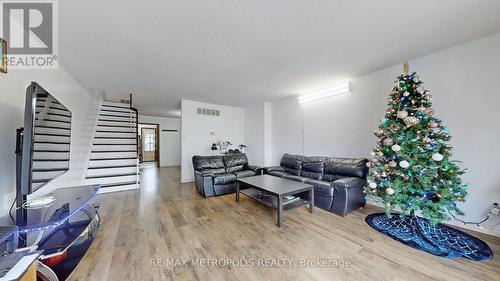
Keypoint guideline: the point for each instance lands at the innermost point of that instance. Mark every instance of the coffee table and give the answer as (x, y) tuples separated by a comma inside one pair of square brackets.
[(274, 192)]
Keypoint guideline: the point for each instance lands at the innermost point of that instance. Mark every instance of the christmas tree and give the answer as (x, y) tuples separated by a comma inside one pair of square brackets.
[(410, 168)]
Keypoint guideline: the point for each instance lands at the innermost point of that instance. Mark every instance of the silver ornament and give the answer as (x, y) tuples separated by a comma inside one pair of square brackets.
[(389, 191), (416, 78), (396, 148), (437, 157), (428, 97), (388, 142), (393, 164), (404, 164), (433, 125), (406, 94), (411, 121), (402, 114), (420, 90), (373, 185)]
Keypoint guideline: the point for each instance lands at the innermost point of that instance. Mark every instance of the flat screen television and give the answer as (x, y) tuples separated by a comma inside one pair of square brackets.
[(42, 146)]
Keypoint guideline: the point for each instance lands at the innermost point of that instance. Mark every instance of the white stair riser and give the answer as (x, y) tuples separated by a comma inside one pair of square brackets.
[(50, 164), (52, 138), (129, 123), (35, 186), (127, 114), (115, 141), (118, 188), (54, 105), (46, 175), (115, 103), (115, 135), (111, 180), (50, 155), (130, 118), (117, 129), (46, 146), (104, 163), (56, 117), (111, 171), (52, 131), (113, 155), (54, 124), (113, 147)]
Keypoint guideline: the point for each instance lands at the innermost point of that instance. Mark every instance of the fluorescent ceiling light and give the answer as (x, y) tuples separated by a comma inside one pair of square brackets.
[(339, 89)]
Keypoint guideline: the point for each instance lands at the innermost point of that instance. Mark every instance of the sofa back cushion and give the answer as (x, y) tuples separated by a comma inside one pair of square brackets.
[(337, 168), (292, 164), (235, 162), (214, 164), (313, 167)]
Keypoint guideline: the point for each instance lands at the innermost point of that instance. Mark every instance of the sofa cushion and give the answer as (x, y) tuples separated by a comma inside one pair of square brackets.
[(214, 164), (224, 178), (235, 162), (244, 174), (344, 167), (278, 173), (313, 167), (295, 178), (321, 188), (292, 164)]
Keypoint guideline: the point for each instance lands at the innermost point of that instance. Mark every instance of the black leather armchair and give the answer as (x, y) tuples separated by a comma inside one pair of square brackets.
[(338, 182), (217, 175)]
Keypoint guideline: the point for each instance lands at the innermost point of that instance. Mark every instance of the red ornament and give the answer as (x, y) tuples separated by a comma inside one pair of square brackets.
[(398, 100)]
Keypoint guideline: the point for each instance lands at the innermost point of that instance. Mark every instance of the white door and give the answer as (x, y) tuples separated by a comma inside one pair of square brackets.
[(170, 147)]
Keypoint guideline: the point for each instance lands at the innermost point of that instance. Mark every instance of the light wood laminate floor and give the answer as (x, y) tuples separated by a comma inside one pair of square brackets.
[(142, 231)]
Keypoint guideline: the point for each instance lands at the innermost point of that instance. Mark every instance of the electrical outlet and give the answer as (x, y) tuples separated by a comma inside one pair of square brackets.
[(495, 210)]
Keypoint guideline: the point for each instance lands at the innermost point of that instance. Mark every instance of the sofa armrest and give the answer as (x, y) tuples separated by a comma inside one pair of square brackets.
[(349, 183), (256, 169), (348, 195), (272, 168), (204, 183)]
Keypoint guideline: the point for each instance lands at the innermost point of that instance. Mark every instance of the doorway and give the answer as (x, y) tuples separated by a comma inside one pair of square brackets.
[(149, 143)]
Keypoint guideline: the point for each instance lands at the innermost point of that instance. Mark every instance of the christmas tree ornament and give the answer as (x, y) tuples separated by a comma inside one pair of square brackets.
[(433, 125), (372, 153), (416, 79), (372, 185), (396, 148), (393, 164), (380, 154), (411, 121), (405, 94), (388, 142), (437, 157), (368, 164), (420, 90), (428, 97), (389, 191), (429, 111), (404, 164), (402, 114)]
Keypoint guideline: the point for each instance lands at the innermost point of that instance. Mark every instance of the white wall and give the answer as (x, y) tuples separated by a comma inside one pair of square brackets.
[(196, 129), (12, 97), (463, 81), (258, 133), (170, 146)]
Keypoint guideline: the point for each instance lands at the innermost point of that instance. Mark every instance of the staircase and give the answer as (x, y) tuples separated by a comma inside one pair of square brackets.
[(113, 160), (51, 140)]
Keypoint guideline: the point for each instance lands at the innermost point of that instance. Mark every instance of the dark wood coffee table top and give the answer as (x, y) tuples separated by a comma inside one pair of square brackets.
[(275, 185)]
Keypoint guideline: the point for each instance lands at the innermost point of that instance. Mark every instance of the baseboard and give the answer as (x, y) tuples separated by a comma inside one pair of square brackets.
[(495, 231)]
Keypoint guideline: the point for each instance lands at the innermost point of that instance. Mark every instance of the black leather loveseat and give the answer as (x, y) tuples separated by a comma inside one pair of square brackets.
[(338, 182), (217, 175)]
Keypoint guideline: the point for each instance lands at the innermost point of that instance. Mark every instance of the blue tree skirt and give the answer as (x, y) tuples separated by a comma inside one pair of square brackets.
[(439, 240)]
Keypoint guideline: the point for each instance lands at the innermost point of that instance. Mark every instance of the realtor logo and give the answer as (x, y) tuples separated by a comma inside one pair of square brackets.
[(30, 29)]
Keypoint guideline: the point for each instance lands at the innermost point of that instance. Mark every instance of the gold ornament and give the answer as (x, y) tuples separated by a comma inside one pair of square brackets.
[(393, 164)]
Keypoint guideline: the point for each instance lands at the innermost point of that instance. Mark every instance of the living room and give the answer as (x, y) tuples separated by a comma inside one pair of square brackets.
[(329, 140)]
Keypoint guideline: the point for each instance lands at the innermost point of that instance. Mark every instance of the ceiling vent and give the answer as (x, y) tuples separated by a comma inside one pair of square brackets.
[(208, 111)]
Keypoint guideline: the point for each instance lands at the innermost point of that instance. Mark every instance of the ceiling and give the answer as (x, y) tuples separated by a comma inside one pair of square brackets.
[(239, 52)]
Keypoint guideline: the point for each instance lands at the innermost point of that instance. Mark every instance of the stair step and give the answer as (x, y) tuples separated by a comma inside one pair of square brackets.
[(111, 117), (112, 167), (41, 180), (113, 151), (55, 116), (113, 148), (114, 134), (63, 165), (120, 129), (52, 131), (106, 110), (111, 180), (54, 109), (115, 103), (116, 121), (52, 127), (51, 138), (39, 159), (41, 170), (107, 113), (111, 175), (96, 163), (116, 142), (57, 121), (46, 174), (51, 146), (119, 126), (113, 155), (50, 142)]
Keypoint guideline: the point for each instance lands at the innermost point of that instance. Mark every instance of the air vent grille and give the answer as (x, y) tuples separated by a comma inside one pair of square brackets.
[(208, 111)]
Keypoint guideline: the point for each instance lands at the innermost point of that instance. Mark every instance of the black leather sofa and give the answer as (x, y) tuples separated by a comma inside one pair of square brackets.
[(338, 182), (217, 175)]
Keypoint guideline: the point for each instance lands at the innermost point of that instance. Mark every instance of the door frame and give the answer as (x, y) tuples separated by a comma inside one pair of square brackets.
[(157, 142)]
